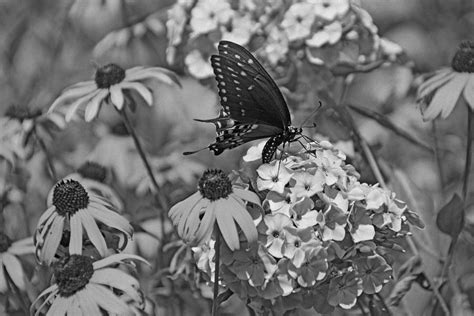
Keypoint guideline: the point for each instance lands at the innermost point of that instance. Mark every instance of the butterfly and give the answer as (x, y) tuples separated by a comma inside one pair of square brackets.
[(252, 104)]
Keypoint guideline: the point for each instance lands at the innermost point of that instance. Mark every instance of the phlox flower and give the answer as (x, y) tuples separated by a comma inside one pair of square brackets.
[(332, 222), (360, 224), (111, 85), (303, 215), (280, 203), (273, 176), (197, 66), (329, 34), (273, 228), (295, 240), (208, 14), (9, 262), (374, 271), (216, 202), (73, 210), (448, 86), (312, 267), (331, 165), (254, 265), (84, 287), (254, 152), (330, 9), (240, 29), (298, 20), (276, 46), (308, 182), (344, 290)]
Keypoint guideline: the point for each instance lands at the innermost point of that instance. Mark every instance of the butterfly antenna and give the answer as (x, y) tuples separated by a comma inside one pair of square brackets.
[(312, 114)]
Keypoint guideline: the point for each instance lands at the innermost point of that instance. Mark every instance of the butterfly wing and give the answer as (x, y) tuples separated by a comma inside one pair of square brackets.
[(247, 91)]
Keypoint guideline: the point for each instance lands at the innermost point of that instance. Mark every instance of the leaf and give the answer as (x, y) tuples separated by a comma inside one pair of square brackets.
[(400, 289), (450, 219)]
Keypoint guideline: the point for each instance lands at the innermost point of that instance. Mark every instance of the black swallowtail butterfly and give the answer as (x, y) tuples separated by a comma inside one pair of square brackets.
[(252, 104)]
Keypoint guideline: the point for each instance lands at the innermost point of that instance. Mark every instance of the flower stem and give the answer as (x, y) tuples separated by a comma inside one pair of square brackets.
[(161, 198), (49, 159), (467, 167), (439, 166), (217, 249)]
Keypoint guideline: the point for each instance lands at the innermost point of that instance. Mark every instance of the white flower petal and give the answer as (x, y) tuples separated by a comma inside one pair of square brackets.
[(469, 92), (50, 292), (117, 258), (116, 96), (14, 269), (76, 91), (161, 74), (141, 89), (107, 300), (72, 109), (3, 280), (93, 106), (52, 241), (93, 231), (87, 303), (60, 306), (22, 247), (118, 279), (75, 241), (110, 218), (446, 98)]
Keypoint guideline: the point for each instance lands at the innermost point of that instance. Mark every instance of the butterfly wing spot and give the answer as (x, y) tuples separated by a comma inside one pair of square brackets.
[(250, 61), (250, 87), (243, 73), (220, 76), (224, 99), (236, 81), (237, 56), (238, 89), (231, 69), (222, 83), (224, 91), (242, 112)]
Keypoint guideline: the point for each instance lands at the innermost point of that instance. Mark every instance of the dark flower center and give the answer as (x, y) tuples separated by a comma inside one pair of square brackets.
[(109, 75), (5, 242), (22, 113), (463, 61), (214, 185), (69, 196), (92, 170), (72, 274)]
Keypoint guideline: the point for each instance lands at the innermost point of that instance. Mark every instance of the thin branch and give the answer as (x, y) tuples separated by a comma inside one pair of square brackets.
[(467, 167), (217, 248), (439, 165)]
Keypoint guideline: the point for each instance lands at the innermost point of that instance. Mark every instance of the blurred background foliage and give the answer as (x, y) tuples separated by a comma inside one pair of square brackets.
[(47, 45)]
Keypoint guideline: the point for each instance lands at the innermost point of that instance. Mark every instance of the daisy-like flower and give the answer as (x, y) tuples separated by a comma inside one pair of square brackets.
[(92, 176), (439, 94), (298, 21), (330, 9), (84, 287), (9, 263), (208, 14), (216, 202), (112, 84), (73, 210), (273, 176)]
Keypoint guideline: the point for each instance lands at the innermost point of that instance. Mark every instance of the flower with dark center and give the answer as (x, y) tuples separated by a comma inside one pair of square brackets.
[(76, 210), (216, 201), (374, 272), (10, 263), (439, 94), (84, 287), (111, 85)]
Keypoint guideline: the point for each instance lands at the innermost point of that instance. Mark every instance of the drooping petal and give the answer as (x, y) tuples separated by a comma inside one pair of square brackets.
[(46, 215), (76, 91), (178, 209), (22, 247), (72, 109), (247, 196), (141, 89), (60, 306), (118, 279), (226, 223), (117, 258), (51, 292), (75, 241), (435, 82), (14, 269), (116, 96), (469, 92), (109, 218), (92, 108), (246, 223), (206, 226), (158, 73), (87, 304), (93, 231), (107, 300), (52, 241), (446, 98)]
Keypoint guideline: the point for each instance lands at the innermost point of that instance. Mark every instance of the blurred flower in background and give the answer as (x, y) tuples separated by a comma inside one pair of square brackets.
[(111, 85), (442, 91), (84, 287), (9, 262)]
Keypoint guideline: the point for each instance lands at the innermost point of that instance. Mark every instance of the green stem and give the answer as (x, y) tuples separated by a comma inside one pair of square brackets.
[(467, 167), (217, 249), (439, 165)]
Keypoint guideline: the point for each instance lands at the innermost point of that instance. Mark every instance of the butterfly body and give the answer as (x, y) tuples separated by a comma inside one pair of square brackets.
[(252, 104)]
